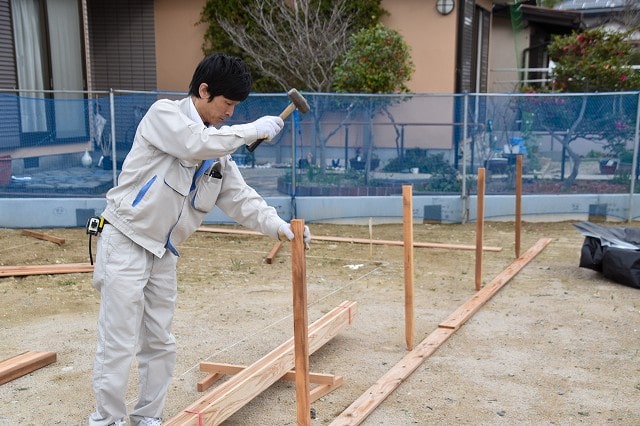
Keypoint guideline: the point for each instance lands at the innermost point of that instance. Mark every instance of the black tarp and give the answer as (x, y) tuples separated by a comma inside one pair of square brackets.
[(612, 250)]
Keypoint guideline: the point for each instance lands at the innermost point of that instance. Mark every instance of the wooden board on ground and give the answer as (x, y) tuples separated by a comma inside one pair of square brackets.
[(379, 391), (325, 383), (357, 240), (273, 252), (465, 311), (22, 270), (24, 363), (42, 236), (223, 401)]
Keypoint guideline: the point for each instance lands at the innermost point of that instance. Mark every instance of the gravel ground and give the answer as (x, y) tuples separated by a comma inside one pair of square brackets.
[(557, 345)]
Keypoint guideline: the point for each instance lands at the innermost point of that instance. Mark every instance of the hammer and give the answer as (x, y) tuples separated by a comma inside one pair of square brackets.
[(297, 101)]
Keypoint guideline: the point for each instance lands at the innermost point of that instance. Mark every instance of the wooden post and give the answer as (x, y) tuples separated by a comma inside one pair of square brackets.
[(518, 202), (300, 322), (479, 227), (407, 207), (41, 236)]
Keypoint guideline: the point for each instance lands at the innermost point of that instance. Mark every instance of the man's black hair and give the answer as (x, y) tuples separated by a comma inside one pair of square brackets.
[(225, 75)]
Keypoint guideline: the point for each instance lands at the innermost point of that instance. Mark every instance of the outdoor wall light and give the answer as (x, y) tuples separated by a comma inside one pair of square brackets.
[(445, 7)]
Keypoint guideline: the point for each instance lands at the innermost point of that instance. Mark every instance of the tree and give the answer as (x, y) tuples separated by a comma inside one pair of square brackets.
[(296, 44), (590, 61), (378, 61), (287, 44), (593, 61)]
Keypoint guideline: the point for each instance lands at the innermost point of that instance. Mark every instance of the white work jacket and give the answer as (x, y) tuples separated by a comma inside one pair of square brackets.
[(165, 189)]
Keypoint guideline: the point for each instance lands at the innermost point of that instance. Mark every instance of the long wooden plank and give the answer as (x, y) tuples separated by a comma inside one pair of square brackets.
[(378, 392), (219, 404), (41, 236), (22, 270), (358, 240), (464, 312), (24, 363)]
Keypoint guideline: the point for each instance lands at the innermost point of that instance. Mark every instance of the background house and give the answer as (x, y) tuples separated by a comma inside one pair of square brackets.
[(97, 45), (55, 49), (521, 32)]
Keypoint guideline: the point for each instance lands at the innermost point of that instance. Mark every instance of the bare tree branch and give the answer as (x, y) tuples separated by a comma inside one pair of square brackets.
[(296, 46)]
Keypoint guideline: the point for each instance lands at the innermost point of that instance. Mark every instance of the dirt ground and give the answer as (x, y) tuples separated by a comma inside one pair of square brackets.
[(558, 344)]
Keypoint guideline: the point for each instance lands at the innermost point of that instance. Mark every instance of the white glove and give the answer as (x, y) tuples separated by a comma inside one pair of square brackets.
[(285, 233), (268, 126)]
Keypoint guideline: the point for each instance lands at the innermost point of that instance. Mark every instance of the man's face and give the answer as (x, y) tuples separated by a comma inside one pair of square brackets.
[(217, 110)]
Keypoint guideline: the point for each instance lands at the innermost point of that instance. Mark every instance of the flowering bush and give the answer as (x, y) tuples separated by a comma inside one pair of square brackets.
[(593, 61), (590, 61)]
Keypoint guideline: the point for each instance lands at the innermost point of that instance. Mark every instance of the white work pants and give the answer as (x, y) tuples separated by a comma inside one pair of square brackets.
[(137, 302)]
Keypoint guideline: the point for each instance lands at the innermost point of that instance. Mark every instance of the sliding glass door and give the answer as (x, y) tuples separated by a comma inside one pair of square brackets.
[(48, 44)]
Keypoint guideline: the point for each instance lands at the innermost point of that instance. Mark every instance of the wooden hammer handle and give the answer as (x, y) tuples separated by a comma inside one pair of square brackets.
[(287, 111), (284, 114)]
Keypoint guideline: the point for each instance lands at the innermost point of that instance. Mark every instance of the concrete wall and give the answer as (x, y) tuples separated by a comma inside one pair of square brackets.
[(72, 212)]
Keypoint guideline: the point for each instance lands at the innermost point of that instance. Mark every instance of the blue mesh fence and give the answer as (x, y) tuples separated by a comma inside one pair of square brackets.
[(346, 145)]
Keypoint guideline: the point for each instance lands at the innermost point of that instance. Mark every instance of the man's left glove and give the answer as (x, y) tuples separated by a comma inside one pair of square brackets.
[(286, 234)]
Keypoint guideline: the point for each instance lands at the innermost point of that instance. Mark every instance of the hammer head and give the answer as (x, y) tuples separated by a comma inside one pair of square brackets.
[(298, 100)]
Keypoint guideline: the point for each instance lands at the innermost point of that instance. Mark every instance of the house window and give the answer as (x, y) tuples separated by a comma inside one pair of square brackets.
[(48, 48)]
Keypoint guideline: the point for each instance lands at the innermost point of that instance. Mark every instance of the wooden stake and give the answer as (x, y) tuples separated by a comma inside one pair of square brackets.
[(370, 238), (273, 252), (358, 411), (518, 224), (300, 321), (358, 240), (407, 208), (480, 227)]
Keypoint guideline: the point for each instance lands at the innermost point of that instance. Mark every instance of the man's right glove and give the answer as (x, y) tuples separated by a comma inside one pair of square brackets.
[(285, 233), (268, 126)]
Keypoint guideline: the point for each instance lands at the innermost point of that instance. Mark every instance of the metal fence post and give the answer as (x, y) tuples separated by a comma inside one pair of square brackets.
[(114, 160), (465, 133), (634, 162)]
